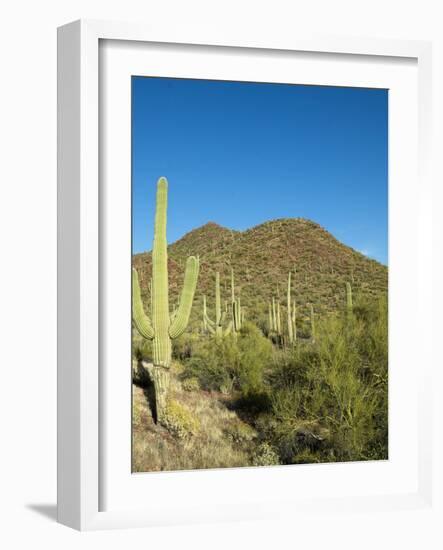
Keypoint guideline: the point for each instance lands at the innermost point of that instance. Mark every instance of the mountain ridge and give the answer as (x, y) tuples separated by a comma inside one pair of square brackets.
[(261, 257)]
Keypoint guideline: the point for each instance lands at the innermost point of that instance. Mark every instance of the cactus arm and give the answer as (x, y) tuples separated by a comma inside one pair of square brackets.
[(181, 320), (209, 321), (217, 299), (172, 315), (141, 320), (211, 329)]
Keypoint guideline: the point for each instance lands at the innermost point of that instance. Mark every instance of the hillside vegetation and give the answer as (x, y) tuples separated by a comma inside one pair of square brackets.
[(261, 258), (247, 399)]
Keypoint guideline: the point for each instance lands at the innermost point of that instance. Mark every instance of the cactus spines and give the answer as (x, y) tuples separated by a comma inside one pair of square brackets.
[(216, 327), (162, 329)]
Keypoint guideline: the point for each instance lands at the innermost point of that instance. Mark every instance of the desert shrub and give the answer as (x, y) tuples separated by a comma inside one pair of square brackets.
[(255, 355), (179, 421), (265, 455), (142, 349), (239, 432), (191, 384), (232, 363), (214, 363), (182, 347), (329, 400)]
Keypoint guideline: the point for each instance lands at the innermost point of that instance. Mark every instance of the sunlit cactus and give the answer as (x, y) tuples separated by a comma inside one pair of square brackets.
[(291, 323), (216, 327), (237, 312), (312, 319), (164, 327), (274, 315)]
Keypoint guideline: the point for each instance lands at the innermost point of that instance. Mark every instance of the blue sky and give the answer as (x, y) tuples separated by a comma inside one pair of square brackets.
[(239, 154)]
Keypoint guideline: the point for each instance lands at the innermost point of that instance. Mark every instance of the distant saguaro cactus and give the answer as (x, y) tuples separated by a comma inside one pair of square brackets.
[(292, 328), (237, 312), (164, 327), (216, 327), (312, 318)]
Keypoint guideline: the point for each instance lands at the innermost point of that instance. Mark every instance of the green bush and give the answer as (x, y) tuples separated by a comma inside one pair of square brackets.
[(265, 455), (214, 363), (255, 355), (329, 400), (232, 363)]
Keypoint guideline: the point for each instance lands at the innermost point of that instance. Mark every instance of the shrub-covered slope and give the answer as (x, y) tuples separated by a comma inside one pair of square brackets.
[(262, 257)]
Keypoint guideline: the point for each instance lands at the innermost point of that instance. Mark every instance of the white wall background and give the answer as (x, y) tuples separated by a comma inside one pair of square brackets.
[(28, 263)]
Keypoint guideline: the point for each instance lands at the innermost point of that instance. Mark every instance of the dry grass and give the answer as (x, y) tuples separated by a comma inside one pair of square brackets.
[(221, 440)]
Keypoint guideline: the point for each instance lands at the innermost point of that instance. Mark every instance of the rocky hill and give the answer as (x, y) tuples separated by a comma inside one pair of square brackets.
[(262, 257)]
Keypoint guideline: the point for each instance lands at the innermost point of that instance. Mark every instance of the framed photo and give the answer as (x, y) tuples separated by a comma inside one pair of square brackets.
[(242, 276)]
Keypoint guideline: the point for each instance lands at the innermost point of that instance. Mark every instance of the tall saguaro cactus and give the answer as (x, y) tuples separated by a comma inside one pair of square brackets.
[(216, 327), (163, 329), (292, 328), (237, 312), (312, 318)]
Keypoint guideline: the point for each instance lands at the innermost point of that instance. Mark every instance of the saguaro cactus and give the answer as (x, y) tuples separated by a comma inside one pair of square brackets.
[(292, 329), (216, 327), (237, 312), (312, 318), (274, 315), (162, 329), (275, 319)]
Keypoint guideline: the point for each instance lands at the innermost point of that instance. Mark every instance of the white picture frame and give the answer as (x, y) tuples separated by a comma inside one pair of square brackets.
[(81, 413)]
